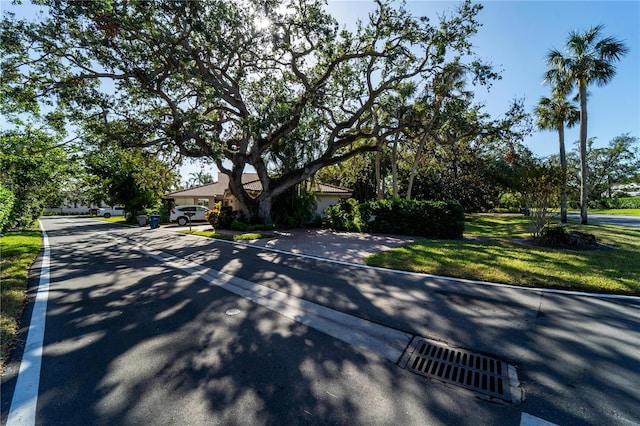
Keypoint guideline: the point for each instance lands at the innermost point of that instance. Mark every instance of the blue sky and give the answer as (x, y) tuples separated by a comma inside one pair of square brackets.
[(518, 35), (515, 36)]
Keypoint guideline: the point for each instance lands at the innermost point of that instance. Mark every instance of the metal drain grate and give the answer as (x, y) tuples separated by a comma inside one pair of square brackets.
[(473, 371)]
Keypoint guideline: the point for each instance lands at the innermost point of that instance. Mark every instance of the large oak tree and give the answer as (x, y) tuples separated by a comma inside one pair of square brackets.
[(276, 86)]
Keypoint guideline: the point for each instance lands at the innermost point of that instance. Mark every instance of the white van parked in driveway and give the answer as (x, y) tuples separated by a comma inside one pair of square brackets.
[(181, 214)]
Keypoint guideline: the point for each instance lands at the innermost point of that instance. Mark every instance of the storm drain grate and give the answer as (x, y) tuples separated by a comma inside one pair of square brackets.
[(473, 371)]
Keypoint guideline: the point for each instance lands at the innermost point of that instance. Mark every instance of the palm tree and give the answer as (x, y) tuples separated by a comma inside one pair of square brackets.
[(200, 178), (590, 59), (553, 114)]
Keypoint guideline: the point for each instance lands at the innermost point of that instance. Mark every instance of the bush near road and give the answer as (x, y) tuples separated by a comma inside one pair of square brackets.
[(437, 219), (617, 203)]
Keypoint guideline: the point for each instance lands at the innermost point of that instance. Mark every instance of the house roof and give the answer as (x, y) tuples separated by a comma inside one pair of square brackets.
[(326, 188), (217, 189), (322, 188), (254, 185), (251, 183)]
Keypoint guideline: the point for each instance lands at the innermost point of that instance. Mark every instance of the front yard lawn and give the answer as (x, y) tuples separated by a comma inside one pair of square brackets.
[(495, 249)]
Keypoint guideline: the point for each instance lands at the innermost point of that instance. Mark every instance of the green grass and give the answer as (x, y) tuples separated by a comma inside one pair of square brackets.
[(229, 237), (115, 219), (17, 251), (493, 250), (624, 212), (497, 225)]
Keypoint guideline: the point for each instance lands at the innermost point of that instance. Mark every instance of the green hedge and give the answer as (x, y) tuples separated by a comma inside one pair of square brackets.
[(617, 203), (237, 225), (439, 219), (344, 216), (7, 200), (226, 217)]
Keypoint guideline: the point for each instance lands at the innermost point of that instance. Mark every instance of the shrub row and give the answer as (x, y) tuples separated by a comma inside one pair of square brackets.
[(237, 225), (226, 217), (617, 203), (344, 216), (220, 217), (7, 200), (438, 219)]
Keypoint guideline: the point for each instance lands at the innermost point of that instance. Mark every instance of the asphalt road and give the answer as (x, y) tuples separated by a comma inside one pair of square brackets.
[(608, 219), (142, 328)]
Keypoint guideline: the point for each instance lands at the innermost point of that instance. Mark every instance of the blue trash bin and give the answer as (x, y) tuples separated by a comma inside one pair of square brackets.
[(154, 221)]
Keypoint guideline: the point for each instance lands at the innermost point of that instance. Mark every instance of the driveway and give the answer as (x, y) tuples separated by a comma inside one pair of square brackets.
[(348, 247)]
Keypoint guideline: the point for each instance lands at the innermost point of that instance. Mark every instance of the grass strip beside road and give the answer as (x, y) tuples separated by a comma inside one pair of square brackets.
[(494, 249), (115, 219), (622, 212), (18, 249)]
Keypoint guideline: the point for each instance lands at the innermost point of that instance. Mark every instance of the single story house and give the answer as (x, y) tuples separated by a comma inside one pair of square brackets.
[(207, 195), (629, 189)]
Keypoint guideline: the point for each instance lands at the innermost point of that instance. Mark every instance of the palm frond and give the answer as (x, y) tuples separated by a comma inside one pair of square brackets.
[(610, 49), (602, 72)]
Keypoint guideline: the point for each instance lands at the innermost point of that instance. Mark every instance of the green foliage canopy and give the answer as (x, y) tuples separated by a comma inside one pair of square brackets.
[(34, 166), (276, 86), (129, 176), (616, 163)]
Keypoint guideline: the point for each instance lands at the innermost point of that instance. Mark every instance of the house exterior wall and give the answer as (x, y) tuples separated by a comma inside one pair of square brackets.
[(633, 189), (326, 195), (230, 200), (322, 201), (184, 201), (326, 200)]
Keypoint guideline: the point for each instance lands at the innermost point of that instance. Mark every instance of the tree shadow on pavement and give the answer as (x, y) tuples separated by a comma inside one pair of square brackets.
[(130, 340)]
